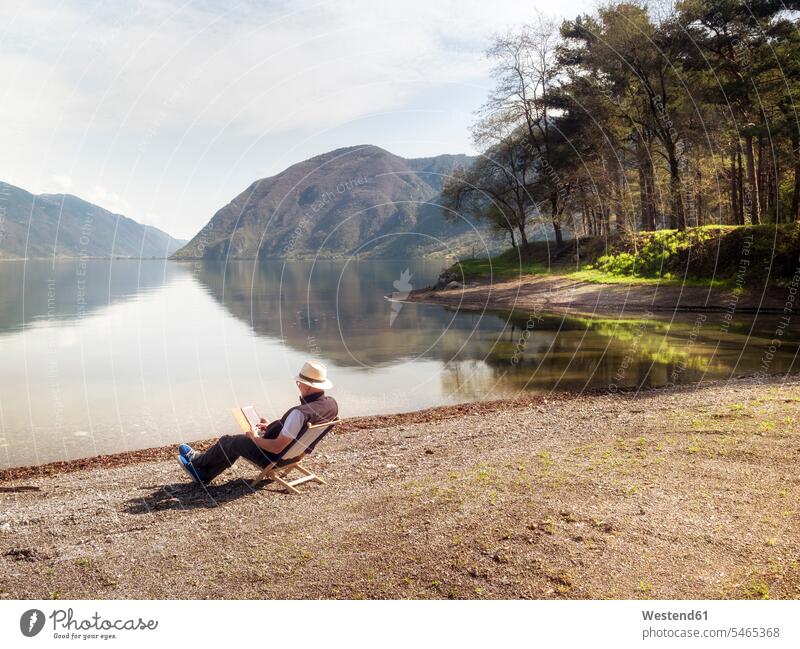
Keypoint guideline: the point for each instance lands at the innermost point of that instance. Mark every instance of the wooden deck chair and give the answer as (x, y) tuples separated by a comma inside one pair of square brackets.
[(291, 457)]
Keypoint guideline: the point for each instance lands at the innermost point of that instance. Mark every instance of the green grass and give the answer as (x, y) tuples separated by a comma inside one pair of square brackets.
[(594, 276), (756, 589), (707, 256), (505, 265)]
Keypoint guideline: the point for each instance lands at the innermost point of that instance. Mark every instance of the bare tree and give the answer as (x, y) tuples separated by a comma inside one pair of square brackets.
[(526, 71), (495, 188)]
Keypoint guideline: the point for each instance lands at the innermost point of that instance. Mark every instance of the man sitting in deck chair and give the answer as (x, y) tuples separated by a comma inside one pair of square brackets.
[(265, 448)]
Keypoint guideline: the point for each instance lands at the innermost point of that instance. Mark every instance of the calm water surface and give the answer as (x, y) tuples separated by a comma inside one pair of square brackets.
[(119, 355)]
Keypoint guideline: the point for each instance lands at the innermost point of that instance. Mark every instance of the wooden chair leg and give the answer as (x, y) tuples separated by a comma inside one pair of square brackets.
[(266, 473), (310, 474), (280, 475), (286, 485)]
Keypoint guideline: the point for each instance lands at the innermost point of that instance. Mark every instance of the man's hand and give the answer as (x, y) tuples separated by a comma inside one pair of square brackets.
[(262, 426)]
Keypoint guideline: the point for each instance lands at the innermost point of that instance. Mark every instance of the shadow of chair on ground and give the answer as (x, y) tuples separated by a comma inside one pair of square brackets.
[(187, 495)]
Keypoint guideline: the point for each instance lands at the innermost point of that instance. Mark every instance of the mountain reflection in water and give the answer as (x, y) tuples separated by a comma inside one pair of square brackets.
[(116, 355)]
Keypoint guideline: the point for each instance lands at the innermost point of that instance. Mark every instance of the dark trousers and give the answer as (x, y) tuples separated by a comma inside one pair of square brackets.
[(226, 450)]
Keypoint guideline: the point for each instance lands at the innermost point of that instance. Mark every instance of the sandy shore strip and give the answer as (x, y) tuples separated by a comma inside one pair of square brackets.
[(688, 492), (561, 295), (368, 422)]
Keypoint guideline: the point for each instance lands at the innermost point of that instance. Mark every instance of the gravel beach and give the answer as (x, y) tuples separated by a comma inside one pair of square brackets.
[(688, 492)]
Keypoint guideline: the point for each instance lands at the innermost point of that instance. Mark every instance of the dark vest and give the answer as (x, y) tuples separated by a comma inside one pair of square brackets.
[(316, 409)]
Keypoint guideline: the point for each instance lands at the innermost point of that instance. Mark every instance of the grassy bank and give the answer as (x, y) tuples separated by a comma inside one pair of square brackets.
[(720, 256)]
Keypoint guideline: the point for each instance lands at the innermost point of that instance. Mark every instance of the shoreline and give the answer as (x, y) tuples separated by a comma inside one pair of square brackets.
[(364, 422), (686, 492), (560, 295)]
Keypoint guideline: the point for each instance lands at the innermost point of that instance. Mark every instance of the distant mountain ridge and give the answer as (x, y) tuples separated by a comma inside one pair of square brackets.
[(360, 200), (63, 225)]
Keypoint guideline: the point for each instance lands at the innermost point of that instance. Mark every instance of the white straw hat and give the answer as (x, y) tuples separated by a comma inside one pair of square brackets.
[(314, 374)]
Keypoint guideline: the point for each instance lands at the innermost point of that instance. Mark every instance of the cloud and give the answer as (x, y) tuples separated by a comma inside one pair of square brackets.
[(251, 68), (109, 200), (156, 220), (62, 181), (163, 111)]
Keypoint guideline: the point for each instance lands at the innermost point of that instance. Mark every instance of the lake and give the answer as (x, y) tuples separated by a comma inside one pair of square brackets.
[(113, 355)]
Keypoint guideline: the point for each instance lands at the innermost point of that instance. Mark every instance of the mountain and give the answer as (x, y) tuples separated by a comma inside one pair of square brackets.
[(358, 200), (434, 170), (341, 308), (63, 225)]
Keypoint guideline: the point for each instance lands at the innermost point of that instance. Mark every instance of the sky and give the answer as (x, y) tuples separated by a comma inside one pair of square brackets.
[(165, 111)]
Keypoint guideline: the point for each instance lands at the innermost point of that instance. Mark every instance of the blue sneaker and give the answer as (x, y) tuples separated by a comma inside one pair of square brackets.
[(188, 452), (187, 466)]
